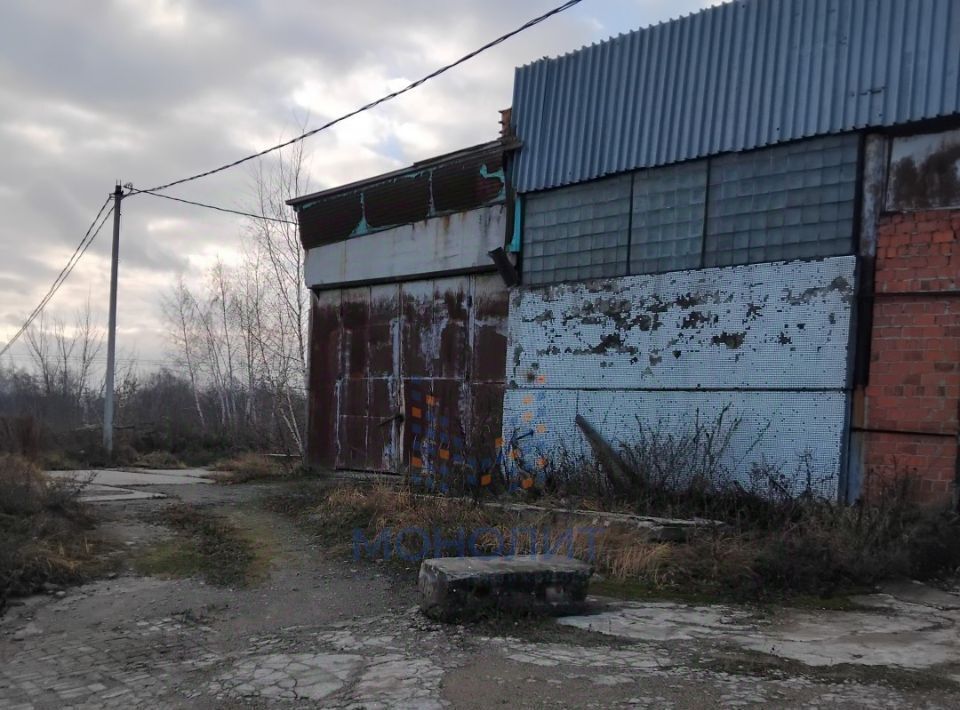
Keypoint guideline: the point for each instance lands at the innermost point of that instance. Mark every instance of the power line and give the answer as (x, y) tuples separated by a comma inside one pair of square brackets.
[(214, 207), (366, 107), (92, 231), (88, 239)]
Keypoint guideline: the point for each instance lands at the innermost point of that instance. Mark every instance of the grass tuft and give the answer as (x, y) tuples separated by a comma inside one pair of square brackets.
[(207, 545), (43, 529), (247, 467), (159, 460)]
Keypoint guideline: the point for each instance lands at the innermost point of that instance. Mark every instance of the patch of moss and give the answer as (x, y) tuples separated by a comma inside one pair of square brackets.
[(207, 545), (174, 558)]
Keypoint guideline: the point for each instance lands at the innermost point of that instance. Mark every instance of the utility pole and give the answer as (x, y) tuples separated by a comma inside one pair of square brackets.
[(112, 332)]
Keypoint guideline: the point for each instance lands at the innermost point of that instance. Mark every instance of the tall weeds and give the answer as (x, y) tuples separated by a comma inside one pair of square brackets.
[(42, 529)]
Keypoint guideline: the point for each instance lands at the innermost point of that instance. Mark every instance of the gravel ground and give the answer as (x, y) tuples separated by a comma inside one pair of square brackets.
[(319, 631)]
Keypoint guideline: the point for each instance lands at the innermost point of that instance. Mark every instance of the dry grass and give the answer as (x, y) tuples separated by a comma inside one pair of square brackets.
[(811, 548), (247, 467), (207, 545), (43, 529), (620, 551), (159, 460)]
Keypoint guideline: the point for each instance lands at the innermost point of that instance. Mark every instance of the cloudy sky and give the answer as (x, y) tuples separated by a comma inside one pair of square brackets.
[(147, 91)]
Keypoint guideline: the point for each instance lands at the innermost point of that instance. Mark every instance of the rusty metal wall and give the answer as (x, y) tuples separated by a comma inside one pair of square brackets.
[(408, 376), (323, 387), (448, 184), (771, 341)]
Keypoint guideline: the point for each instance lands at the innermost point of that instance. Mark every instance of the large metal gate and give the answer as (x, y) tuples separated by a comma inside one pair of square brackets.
[(407, 375)]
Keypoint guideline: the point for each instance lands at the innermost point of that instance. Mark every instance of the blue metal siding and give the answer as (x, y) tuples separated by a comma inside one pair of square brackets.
[(739, 76)]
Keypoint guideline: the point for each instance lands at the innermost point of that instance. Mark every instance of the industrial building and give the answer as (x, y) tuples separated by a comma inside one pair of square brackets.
[(752, 211)]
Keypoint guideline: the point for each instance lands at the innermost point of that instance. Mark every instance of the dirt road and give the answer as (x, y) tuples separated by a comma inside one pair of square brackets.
[(319, 630)]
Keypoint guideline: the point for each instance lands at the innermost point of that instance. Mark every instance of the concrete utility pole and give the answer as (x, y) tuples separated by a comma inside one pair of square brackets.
[(112, 332)]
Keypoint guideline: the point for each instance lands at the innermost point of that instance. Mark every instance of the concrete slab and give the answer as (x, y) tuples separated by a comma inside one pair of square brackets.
[(94, 493), (117, 485), (455, 588), (137, 477), (917, 628)]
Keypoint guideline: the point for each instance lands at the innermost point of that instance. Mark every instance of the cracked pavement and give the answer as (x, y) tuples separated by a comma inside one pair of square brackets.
[(320, 631)]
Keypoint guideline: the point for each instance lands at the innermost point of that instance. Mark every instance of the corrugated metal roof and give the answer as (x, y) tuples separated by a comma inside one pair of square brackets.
[(742, 75)]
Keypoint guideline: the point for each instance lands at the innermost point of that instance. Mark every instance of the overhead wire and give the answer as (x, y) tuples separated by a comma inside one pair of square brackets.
[(215, 207), (366, 107), (92, 231)]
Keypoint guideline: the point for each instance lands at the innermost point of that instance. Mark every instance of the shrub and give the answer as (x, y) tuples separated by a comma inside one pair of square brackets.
[(42, 524), (159, 460), (254, 467)]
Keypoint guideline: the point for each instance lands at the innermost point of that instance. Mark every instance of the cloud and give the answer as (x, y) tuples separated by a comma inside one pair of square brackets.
[(151, 90)]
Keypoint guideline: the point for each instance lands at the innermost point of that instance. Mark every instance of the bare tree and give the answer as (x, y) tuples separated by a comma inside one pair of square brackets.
[(89, 338), (38, 341), (279, 309), (179, 308), (63, 359), (242, 335)]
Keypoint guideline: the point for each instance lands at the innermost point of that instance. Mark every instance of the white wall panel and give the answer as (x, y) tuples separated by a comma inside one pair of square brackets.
[(795, 433), (781, 325), (450, 243)]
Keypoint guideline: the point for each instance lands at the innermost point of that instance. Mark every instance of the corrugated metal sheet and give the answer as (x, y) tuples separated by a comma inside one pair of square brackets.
[(776, 326), (734, 77)]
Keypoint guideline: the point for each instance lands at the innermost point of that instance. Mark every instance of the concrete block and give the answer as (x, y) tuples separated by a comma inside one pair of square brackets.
[(455, 588)]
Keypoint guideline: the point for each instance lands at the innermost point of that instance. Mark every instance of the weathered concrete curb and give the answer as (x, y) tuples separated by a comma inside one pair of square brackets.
[(457, 588)]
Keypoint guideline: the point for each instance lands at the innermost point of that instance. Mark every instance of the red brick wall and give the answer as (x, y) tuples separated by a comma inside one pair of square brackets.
[(915, 351)]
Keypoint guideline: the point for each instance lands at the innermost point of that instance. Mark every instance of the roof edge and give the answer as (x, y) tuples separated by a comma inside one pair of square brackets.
[(506, 144)]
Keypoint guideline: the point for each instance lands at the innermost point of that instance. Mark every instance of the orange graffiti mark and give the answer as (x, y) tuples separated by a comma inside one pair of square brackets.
[(431, 400), (541, 428), (527, 483), (541, 379), (541, 462), (416, 412), (528, 399), (528, 416), (486, 480), (444, 454), (416, 462), (498, 442)]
